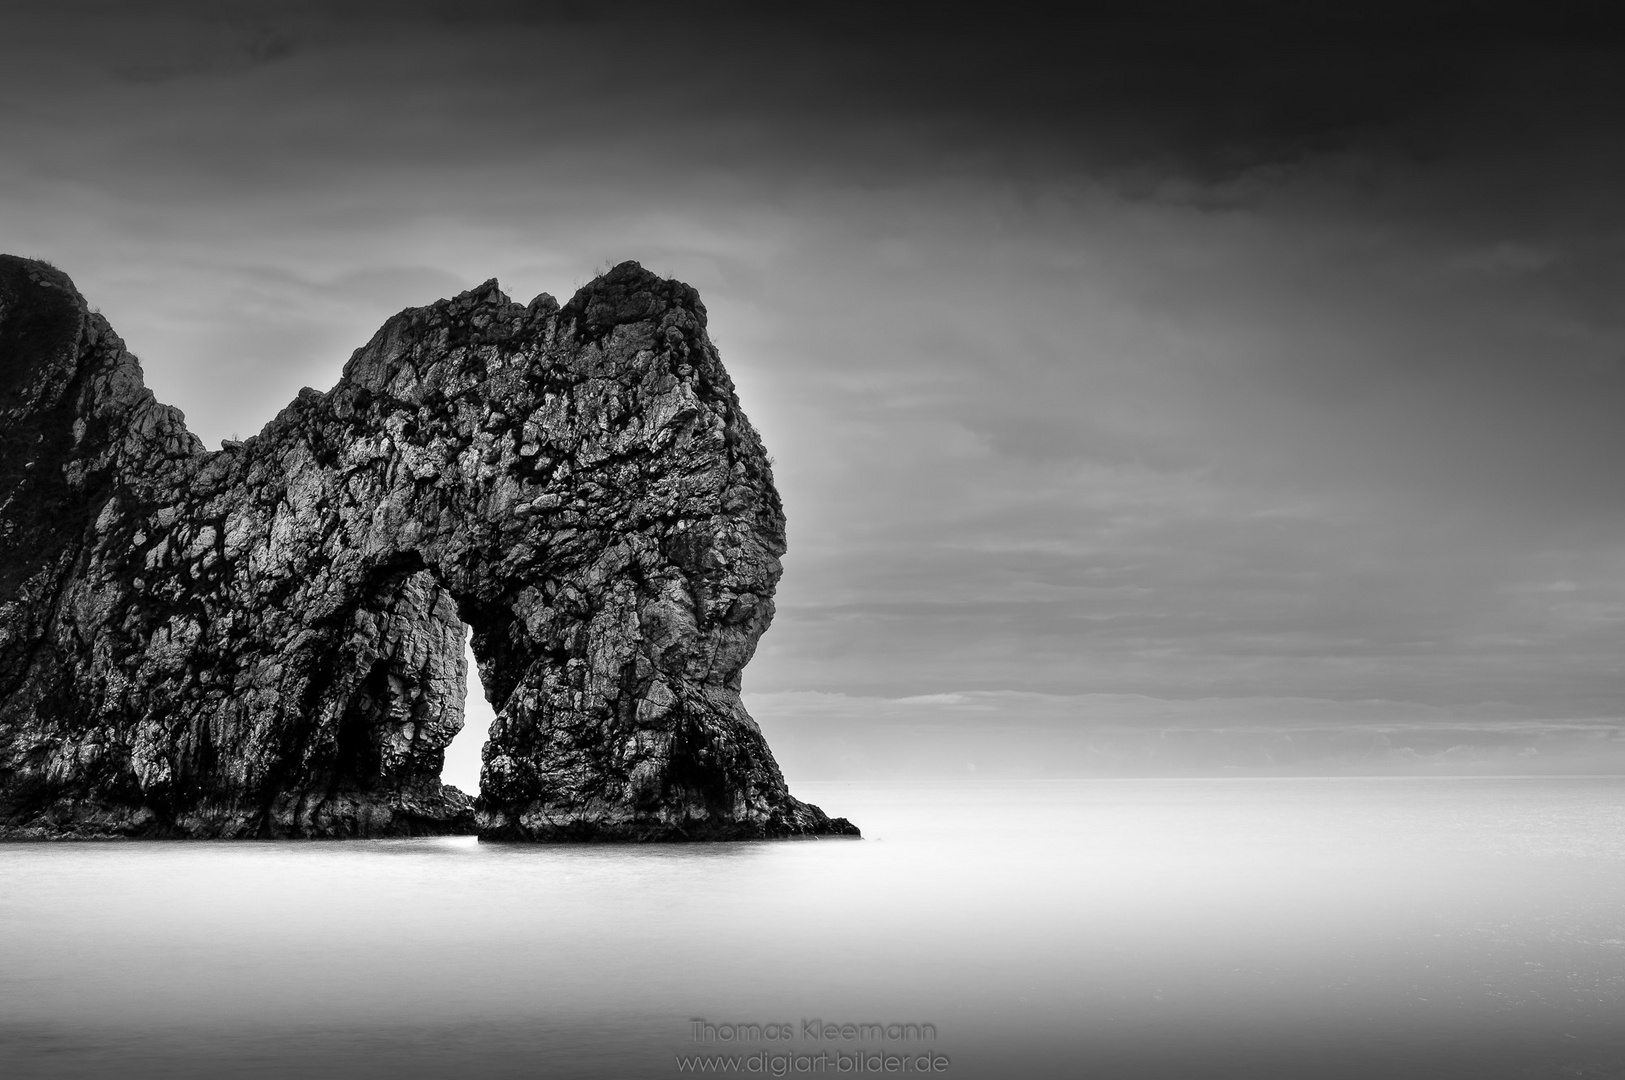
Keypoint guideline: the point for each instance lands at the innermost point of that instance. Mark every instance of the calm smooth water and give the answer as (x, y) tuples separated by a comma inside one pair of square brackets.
[(1134, 928)]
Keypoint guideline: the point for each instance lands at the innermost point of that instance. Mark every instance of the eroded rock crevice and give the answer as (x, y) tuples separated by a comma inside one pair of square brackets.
[(267, 639)]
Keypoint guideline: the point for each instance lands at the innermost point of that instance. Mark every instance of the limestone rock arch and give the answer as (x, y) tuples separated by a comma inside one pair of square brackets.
[(267, 639)]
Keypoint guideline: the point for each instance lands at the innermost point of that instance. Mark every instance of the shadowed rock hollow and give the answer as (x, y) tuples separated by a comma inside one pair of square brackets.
[(267, 640)]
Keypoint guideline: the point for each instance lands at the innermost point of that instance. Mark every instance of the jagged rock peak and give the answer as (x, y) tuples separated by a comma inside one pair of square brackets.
[(267, 639)]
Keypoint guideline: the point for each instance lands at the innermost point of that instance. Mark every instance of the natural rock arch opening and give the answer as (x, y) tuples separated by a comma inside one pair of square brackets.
[(461, 767), (269, 639)]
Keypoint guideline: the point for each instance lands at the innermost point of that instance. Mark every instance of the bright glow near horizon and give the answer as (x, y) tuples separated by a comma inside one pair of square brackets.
[(462, 768)]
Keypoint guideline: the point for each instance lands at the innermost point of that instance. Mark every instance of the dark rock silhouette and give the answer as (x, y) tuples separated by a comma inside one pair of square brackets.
[(267, 640)]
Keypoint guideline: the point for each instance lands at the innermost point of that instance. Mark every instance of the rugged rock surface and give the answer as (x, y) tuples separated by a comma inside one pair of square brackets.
[(267, 640)]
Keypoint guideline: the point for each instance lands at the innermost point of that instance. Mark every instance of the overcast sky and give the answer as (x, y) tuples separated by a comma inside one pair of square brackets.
[(1138, 374)]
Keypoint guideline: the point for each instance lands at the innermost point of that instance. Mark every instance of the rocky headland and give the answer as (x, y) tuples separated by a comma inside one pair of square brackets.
[(266, 640)]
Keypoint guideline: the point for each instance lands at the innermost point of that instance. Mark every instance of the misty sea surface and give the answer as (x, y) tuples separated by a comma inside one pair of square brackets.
[(1256, 928)]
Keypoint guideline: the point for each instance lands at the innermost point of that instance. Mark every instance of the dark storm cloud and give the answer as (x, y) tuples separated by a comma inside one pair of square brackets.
[(1213, 89), (1190, 351)]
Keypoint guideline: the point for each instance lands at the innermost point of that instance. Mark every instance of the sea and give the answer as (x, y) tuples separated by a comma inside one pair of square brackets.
[(1250, 928)]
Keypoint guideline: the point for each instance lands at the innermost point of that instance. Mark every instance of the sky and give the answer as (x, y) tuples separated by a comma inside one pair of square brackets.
[(1184, 387)]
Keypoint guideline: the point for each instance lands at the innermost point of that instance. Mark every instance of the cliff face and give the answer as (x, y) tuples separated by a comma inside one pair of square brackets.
[(267, 640)]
